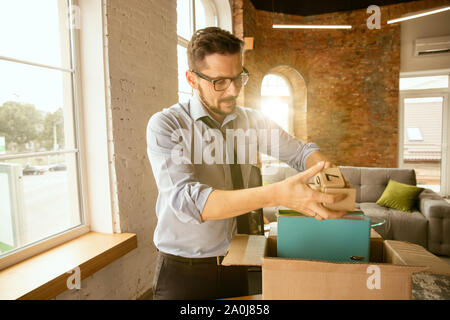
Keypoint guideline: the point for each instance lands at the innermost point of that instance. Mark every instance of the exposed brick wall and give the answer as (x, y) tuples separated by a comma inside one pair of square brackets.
[(237, 8), (352, 78)]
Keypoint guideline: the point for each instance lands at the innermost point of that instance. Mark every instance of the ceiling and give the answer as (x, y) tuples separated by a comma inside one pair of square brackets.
[(313, 7)]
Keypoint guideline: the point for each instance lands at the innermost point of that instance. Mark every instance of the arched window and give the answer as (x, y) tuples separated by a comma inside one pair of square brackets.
[(276, 101), (192, 16)]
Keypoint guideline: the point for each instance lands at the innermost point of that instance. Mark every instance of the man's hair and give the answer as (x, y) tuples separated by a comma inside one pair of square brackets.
[(209, 41)]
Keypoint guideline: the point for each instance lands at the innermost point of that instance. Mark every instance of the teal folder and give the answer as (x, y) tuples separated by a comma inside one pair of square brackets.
[(335, 240)]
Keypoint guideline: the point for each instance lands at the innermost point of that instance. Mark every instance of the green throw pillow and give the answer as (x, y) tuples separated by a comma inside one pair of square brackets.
[(399, 196)]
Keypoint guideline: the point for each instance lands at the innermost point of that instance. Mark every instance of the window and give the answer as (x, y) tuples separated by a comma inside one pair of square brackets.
[(414, 134), (39, 152), (276, 100), (276, 103), (424, 133), (420, 83), (192, 15)]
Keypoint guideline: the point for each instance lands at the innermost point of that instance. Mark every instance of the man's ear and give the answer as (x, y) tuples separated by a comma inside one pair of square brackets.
[(191, 79)]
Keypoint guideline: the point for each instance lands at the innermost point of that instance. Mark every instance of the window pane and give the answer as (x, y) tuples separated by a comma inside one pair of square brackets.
[(277, 111), (183, 85), (35, 31), (205, 15), (200, 15), (424, 83), (422, 141), (35, 108), (423, 101), (39, 199), (184, 20), (274, 86), (414, 134), (275, 100)]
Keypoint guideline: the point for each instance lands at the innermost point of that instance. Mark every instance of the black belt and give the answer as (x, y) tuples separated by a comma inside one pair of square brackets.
[(191, 261)]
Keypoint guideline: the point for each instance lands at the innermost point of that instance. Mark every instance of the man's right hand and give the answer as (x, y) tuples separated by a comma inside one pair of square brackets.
[(294, 193)]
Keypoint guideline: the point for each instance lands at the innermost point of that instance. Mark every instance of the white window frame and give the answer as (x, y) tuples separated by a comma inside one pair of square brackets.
[(98, 190), (222, 18), (445, 93)]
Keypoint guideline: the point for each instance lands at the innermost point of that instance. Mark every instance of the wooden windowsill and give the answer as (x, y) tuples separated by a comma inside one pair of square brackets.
[(45, 275)]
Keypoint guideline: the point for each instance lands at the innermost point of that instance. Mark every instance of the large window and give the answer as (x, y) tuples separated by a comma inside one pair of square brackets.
[(39, 149), (192, 15), (424, 128), (276, 100)]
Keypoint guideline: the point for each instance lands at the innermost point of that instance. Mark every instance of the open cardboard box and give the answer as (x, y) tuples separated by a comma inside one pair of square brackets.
[(388, 275)]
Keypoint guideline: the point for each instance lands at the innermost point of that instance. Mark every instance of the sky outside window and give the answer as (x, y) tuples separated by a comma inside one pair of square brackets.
[(30, 30)]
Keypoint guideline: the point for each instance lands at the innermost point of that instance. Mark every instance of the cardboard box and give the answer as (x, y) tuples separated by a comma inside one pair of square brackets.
[(284, 278), (348, 204), (329, 178), (405, 253), (376, 246)]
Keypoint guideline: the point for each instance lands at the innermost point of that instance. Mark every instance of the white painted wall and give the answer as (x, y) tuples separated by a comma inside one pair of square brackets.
[(429, 26), (141, 79)]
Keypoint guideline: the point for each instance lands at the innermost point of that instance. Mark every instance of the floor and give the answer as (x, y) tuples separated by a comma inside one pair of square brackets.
[(445, 258)]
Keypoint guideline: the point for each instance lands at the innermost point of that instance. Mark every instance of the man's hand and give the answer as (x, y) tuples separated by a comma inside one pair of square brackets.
[(295, 194)]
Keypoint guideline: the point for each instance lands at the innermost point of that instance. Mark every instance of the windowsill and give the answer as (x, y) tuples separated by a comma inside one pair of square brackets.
[(45, 275)]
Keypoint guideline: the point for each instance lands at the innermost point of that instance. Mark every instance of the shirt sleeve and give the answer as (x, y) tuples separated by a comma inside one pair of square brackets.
[(173, 172), (282, 145)]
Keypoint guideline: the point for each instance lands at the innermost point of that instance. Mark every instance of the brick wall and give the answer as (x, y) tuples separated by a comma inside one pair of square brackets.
[(351, 77)]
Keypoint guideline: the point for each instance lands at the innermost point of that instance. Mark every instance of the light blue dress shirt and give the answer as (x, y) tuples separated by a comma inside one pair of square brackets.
[(177, 141)]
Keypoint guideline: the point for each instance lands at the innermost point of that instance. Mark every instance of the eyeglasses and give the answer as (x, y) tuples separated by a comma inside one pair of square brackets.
[(222, 84)]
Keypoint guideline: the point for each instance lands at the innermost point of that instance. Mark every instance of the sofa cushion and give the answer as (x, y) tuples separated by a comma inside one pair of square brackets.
[(371, 182), (437, 211), (399, 196), (411, 227)]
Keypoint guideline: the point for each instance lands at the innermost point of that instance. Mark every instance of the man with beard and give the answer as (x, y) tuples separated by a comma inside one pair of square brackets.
[(200, 203)]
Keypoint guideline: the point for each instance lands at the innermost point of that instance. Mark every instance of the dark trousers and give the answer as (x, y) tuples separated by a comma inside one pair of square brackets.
[(178, 278)]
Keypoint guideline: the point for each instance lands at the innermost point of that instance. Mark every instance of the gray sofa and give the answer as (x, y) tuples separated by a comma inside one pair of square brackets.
[(428, 225)]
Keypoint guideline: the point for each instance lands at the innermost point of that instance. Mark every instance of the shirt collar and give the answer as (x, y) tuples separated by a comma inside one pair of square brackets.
[(198, 111)]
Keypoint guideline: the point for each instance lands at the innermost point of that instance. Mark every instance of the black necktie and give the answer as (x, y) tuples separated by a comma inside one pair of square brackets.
[(236, 176)]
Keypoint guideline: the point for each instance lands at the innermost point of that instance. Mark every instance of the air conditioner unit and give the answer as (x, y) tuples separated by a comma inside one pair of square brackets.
[(432, 46)]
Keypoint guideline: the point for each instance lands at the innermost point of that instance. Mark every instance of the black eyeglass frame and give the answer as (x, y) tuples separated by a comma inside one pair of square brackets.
[(214, 81)]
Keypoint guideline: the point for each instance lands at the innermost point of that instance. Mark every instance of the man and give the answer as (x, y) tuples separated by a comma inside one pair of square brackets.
[(199, 201)]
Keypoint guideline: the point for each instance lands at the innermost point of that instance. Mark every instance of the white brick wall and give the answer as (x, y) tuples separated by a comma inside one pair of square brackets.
[(142, 54)]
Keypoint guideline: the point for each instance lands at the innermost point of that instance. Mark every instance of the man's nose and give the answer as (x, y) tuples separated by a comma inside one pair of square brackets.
[(234, 89)]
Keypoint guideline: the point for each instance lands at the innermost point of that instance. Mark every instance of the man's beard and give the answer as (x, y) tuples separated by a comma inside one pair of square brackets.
[(215, 109)]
